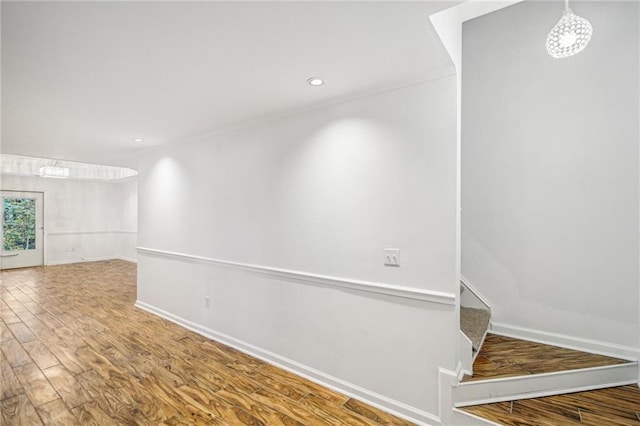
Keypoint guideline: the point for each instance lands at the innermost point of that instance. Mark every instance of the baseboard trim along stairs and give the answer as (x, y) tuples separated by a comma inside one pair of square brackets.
[(460, 417), (546, 384)]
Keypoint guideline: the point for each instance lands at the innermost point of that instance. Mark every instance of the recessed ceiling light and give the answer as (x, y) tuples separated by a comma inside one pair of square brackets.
[(315, 81), (138, 140)]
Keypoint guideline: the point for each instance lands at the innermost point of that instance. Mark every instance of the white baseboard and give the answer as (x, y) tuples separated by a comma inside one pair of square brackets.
[(78, 260), (569, 342), (376, 400), (463, 418), (89, 259)]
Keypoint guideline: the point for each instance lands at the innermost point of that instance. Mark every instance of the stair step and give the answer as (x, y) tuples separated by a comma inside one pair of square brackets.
[(610, 406), (508, 369), (545, 384), (474, 323), (503, 356)]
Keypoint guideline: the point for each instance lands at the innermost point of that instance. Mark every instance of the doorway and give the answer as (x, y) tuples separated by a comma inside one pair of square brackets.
[(22, 229)]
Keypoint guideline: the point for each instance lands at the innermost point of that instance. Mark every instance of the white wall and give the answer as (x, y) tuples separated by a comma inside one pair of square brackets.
[(316, 193), (84, 220), (550, 173)]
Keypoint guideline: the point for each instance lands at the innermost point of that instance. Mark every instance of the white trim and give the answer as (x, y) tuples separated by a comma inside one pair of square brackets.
[(90, 259), (546, 384), (472, 9), (475, 292), (59, 233), (586, 345), (308, 278), (466, 353), (463, 418), (447, 380), (484, 336), (76, 260), (387, 404)]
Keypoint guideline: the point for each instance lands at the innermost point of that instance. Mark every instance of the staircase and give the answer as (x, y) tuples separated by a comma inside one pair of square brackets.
[(508, 369), (504, 369)]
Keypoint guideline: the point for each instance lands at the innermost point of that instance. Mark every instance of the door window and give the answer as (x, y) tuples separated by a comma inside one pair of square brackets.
[(19, 224), (22, 230)]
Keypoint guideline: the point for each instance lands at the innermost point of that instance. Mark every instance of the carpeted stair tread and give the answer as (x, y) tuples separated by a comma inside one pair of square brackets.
[(474, 323)]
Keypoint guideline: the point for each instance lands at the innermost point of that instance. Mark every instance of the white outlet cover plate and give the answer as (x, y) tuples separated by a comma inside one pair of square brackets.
[(391, 256)]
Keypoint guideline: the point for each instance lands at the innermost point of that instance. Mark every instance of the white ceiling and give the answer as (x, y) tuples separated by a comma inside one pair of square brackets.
[(80, 80)]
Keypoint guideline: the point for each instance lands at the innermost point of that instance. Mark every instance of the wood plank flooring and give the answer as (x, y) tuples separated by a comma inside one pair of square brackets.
[(619, 406), (502, 356), (74, 350)]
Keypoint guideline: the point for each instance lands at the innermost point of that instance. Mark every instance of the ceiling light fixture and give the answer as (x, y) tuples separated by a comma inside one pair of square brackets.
[(138, 140), (315, 81), (570, 35), (54, 172)]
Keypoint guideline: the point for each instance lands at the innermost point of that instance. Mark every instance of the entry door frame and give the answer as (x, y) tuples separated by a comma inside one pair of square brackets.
[(20, 259)]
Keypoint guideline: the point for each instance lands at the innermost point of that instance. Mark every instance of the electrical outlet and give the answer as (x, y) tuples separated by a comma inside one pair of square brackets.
[(391, 257), (207, 301)]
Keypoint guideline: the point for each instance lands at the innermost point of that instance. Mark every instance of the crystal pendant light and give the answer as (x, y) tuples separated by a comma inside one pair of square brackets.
[(570, 35)]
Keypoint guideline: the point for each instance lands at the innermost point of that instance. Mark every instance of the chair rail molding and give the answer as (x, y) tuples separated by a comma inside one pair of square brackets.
[(314, 279)]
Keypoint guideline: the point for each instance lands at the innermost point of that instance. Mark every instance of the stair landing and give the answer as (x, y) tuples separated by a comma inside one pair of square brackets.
[(502, 356)]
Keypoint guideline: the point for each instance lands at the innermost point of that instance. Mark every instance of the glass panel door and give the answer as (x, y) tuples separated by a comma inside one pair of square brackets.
[(22, 230)]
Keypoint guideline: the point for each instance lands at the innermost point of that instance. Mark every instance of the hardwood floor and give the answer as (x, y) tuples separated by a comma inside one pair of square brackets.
[(502, 356), (74, 350), (619, 406)]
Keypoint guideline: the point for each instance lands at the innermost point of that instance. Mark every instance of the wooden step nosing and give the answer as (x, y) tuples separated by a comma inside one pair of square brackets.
[(544, 384)]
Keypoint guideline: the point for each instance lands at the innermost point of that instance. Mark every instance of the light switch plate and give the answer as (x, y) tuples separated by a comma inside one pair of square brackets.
[(391, 256)]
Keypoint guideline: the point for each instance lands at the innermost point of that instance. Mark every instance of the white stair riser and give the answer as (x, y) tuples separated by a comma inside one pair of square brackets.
[(539, 385)]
